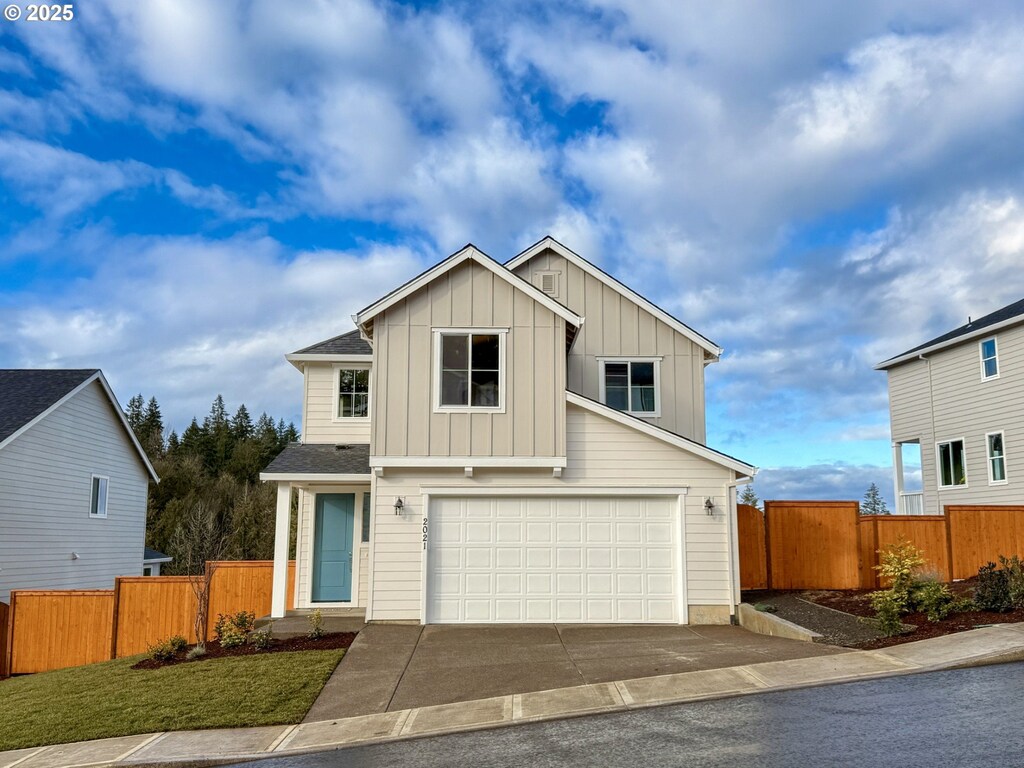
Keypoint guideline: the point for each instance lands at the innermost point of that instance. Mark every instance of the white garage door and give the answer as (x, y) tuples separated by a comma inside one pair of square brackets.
[(578, 559)]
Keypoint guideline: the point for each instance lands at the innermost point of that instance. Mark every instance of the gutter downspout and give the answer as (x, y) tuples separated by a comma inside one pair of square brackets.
[(732, 532)]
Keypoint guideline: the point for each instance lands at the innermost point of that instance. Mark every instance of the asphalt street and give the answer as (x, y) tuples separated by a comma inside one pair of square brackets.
[(969, 717)]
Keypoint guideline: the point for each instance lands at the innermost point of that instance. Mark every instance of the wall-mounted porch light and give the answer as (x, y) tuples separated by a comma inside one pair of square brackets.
[(399, 505), (709, 505)]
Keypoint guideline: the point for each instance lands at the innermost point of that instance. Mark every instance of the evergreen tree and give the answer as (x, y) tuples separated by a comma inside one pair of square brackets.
[(241, 424), (134, 413), (151, 431), (266, 432), (873, 503), (749, 497), (172, 443)]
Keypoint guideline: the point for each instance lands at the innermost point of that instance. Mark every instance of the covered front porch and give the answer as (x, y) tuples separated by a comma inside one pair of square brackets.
[(323, 515)]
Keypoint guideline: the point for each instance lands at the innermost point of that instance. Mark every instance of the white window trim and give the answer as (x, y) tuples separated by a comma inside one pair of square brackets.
[(988, 459), (336, 393), (981, 359), (938, 464), (436, 373), (106, 499), (656, 413)]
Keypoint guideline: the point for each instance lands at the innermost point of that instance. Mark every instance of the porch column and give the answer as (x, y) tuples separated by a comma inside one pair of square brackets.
[(897, 476), (279, 599)]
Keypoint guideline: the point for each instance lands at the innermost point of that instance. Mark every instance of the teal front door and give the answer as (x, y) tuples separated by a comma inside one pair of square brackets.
[(332, 547)]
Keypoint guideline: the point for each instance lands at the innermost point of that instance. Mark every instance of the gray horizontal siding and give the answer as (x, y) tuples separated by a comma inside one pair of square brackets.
[(45, 488)]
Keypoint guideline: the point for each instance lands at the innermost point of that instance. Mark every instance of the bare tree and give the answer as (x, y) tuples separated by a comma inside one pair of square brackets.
[(198, 541)]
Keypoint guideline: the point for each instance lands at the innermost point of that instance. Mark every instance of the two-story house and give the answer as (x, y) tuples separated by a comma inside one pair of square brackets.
[(959, 400), (510, 443), (73, 484)]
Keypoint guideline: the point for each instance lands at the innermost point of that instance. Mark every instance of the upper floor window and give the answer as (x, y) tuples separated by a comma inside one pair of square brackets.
[(632, 386), (989, 359), (470, 369), (353, 392), (952, 464), (996, 458), (98, 497)]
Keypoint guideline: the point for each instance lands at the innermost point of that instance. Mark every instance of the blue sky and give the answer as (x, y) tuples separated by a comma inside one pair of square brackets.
[(191, 189)]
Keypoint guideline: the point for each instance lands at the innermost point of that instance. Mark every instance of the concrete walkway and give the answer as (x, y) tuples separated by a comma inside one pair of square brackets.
[(392, 667), (980, 646)]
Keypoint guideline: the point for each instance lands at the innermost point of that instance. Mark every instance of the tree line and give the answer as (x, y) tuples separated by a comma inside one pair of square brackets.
[(212, 471)]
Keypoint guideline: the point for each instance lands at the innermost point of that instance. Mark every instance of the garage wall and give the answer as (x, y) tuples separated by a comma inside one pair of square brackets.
[(601, 452)]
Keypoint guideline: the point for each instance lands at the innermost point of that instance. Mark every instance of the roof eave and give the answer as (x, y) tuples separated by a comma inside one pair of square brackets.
[(988, 330)]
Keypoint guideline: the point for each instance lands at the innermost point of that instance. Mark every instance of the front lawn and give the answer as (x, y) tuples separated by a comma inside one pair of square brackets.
[(111, 699)]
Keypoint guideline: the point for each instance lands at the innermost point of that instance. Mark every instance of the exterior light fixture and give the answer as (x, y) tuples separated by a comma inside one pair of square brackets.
[(399, 505), (74, 555), (709, 505)]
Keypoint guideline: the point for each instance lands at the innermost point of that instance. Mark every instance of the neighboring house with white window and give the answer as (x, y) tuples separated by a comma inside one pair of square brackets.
[(510, 443), (73, 483), (959, 400)]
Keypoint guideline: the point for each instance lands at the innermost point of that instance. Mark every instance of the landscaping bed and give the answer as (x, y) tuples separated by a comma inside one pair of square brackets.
[(214, 650)]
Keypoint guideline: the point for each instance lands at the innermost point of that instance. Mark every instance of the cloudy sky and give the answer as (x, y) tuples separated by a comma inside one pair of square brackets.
[(190, 190)]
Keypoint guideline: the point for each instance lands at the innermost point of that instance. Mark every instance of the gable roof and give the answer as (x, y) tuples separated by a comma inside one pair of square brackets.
[(468, 253), (29, 395), (666, 436), (1009, 315), (713, 350)]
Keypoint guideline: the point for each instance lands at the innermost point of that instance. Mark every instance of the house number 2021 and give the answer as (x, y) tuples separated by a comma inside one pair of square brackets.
[(424, 533)]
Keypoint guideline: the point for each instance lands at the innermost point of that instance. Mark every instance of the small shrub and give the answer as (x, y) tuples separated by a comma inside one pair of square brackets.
[(766, 607), (161, 651), (316, 625), (178, 643), (1014, 568), (195, 652), (962, 605), (262, 638), (993, 590), (897, 564), (888, 610), (232, 629), (934, 599)]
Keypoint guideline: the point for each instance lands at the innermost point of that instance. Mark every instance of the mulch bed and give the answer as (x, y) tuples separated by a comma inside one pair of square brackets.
[(214, 650), (849, 630)]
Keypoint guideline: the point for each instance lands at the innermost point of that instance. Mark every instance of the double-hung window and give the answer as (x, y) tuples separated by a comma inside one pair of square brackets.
[(952, 464), (996, 458), (470, 370), (98, 496), (353, 393), (989, 359), (632, 386)]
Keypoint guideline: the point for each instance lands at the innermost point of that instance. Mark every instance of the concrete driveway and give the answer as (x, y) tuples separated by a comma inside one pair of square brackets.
[(392, 667)]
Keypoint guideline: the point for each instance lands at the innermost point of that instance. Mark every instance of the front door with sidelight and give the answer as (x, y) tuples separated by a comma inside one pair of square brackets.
[(332, 548)]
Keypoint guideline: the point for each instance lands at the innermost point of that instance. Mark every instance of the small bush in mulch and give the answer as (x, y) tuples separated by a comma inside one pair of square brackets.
[(214, 650)]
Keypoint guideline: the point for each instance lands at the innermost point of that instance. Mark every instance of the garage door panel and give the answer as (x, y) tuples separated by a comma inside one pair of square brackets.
[(564, 559)]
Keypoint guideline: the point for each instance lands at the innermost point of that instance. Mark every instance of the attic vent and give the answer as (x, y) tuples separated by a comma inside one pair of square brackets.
[(549, 283)]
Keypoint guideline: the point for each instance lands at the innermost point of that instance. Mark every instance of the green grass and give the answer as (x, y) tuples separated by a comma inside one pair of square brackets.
[(111, 699)]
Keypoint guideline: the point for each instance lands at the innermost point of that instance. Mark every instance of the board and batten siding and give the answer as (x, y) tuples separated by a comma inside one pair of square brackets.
[(943, 397), (601, 453), (319, 424), (45, 491), (303, 545), (402, 389), (617, 327)]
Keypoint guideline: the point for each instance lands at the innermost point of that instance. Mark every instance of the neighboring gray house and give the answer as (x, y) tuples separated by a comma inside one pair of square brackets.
[(959, 400), (73, 483), (476, 452)]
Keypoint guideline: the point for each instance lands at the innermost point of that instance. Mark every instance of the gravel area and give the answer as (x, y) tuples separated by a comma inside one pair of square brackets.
[(836, 628)]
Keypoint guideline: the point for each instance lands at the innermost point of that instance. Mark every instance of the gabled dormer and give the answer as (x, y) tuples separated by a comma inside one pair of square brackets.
[(469, 369), (631, 354)]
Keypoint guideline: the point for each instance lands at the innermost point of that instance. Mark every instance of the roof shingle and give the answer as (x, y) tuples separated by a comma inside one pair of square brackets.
[(350, 343), (321, 459), (26, 393)]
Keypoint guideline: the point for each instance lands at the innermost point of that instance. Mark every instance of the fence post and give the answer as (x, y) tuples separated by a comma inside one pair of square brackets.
[(949, 541), (115, 618), (7, 660), (767, 545), (5, 620)]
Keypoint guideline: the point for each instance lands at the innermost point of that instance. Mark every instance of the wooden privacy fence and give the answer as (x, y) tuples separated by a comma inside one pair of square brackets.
[(828, 545), (55, 629)]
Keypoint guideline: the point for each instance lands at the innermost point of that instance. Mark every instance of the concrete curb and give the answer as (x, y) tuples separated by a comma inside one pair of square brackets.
[(765, 623), (191, 749)]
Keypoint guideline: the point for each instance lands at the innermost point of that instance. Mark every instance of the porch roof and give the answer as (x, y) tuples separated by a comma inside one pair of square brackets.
[(320, 461)]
